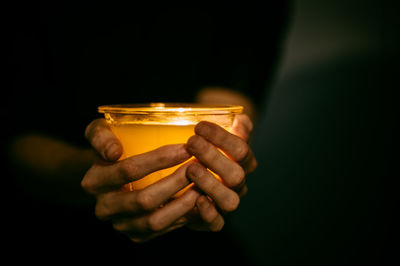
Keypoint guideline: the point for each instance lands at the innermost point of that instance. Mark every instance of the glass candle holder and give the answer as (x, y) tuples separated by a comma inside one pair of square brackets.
[(144, 127)]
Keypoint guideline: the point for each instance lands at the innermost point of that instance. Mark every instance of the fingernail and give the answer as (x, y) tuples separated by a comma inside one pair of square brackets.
[(113, 152)]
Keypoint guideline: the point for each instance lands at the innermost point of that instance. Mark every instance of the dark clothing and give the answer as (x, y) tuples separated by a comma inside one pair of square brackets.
[(67, 59), (64, 60)]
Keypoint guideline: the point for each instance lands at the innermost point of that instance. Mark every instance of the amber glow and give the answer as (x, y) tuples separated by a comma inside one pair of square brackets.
[(144, 128)]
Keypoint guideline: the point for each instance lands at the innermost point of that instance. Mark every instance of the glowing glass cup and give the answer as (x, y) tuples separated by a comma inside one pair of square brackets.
[(144, 127)]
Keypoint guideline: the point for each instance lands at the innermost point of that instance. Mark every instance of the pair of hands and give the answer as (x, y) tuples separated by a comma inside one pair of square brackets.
[(150, 212)]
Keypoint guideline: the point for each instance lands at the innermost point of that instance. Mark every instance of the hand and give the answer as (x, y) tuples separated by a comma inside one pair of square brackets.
[(137, 214), (224, 196)]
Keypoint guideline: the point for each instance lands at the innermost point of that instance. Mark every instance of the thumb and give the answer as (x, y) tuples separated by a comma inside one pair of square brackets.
[(103, 140)]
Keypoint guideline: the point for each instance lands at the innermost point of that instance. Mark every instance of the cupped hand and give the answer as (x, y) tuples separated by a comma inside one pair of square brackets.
[(142, 214), (208, 146)]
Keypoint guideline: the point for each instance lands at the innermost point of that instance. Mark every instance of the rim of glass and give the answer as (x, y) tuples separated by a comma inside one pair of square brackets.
[(171, 108)]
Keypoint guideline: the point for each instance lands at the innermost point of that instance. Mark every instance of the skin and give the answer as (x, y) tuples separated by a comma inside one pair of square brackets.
[(150, 212), (52, 164)]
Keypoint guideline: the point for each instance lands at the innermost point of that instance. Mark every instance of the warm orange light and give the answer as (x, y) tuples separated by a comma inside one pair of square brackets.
[(142, 128)]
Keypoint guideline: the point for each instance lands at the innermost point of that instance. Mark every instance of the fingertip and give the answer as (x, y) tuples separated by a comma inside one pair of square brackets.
[(202, 128), (194, 144), (194, 170)]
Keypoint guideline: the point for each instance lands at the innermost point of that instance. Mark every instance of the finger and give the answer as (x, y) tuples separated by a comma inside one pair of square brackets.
[(104, 177), (211, 217), (234, 146), (226, 199), (120, 204), (231, 172), (162, 218), (242, 126), (103, 140), (164, 189)]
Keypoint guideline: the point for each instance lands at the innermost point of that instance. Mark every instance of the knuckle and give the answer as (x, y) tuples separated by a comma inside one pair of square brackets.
[(181, 180), (85, 184), (101, 210), (231, 203), (129, 170), (154, 223), (187, 203), (145, 201), (210, 184), (212, 154), (88, 184)]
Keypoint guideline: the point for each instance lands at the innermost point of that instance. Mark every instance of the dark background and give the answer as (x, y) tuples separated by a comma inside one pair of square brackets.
[(324, 191)]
